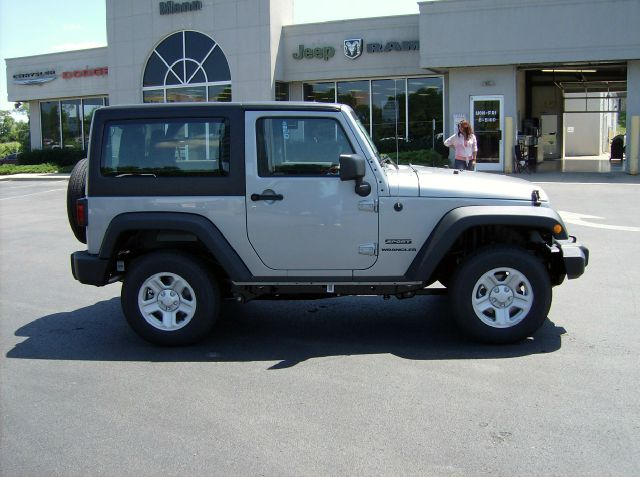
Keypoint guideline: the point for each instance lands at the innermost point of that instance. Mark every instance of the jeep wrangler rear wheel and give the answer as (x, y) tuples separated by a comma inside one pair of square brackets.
[(170, 299), (501, 294)]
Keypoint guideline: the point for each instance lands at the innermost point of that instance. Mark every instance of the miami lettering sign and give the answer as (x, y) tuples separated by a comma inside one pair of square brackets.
[(169, 8)]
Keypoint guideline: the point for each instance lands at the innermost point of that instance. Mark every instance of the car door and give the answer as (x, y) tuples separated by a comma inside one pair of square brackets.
[(300, 215)]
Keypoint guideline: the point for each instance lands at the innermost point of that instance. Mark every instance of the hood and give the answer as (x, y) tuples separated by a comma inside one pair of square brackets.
[(412, 181)]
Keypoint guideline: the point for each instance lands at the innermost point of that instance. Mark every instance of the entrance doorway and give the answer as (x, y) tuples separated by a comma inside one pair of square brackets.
[(487, 118)]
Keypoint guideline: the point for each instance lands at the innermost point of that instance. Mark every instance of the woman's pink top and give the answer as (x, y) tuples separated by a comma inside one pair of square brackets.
[(464, 147)]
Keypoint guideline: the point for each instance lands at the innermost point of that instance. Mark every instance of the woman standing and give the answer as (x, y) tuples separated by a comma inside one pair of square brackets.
[(465, 145)]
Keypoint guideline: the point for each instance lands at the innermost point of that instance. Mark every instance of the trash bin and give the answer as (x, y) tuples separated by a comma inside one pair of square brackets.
[(617, 147)]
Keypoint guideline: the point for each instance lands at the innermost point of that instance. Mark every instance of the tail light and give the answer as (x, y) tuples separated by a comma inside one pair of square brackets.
[(82, 218)]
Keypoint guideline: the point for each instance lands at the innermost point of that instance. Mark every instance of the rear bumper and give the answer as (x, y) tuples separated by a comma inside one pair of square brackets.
[(575, 257), (89, 269)]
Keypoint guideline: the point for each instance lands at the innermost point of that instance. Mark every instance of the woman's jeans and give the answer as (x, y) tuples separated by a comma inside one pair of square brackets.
[(464, 166)]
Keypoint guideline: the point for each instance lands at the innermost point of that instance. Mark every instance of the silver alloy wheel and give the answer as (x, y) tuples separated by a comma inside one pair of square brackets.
[(502, 297), (167, 301)]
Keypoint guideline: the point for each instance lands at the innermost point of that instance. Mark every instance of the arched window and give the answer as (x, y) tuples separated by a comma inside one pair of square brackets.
[(186, 66)]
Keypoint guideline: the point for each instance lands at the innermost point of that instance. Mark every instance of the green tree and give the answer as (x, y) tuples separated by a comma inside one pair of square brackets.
[(13, 131), (7, 126)]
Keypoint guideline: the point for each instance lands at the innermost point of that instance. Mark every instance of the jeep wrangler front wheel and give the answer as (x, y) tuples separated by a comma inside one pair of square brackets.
[(501, 294), (170, 299)]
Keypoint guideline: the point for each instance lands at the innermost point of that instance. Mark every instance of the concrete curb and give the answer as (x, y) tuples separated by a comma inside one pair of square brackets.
[(36, 177)]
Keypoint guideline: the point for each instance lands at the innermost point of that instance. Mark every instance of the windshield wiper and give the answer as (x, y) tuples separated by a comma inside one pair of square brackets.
[(136, 174)]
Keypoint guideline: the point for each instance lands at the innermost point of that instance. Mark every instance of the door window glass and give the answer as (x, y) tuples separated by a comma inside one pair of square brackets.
[(161, 148), (300, 146)]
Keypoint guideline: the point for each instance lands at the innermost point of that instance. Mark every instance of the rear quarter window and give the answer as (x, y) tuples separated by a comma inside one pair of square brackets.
[(166, 148)]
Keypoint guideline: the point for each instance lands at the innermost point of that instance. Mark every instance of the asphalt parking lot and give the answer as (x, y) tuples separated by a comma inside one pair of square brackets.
[(349, 386)]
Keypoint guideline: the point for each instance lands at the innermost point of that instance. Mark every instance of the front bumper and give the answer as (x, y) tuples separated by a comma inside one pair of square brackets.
[(89, 269), (574, 255)]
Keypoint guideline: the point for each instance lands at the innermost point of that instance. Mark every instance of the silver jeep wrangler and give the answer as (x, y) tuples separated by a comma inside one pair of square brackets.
[(191, 204)]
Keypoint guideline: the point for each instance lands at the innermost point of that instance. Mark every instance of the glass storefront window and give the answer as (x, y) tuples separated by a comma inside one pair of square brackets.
[(320, 92), (356, 95), (153, 96), (89, 106), (426, 102), (183, 66), (388, 111), (50, 120), (66, 123), (220, 93), (282, 91), (184, 95), (71, 123), (410, 109)]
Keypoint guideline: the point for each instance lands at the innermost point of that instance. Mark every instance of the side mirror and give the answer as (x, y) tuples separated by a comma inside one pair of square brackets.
[(353, 168)]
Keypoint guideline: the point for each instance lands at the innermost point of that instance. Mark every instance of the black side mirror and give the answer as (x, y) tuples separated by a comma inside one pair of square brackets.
[(353, 168)]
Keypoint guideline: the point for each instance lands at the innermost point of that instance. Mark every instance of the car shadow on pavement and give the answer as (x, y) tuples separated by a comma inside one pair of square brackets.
[(286, 333)]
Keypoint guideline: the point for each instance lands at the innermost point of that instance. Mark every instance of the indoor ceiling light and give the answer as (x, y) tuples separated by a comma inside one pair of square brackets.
[(568, 71)]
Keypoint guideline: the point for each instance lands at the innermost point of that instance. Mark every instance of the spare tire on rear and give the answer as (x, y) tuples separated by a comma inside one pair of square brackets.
[(75, 191)]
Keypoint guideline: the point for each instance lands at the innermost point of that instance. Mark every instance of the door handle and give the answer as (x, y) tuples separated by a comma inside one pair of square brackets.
[(257, 197)]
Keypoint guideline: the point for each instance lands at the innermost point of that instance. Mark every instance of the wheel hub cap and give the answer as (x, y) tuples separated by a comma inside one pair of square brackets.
[(501, 296), (168, 300)]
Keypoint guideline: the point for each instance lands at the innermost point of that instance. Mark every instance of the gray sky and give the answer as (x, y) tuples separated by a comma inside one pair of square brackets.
[(34, 27)]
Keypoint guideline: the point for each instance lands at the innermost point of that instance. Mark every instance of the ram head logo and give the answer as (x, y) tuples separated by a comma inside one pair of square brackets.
[(353, 48)]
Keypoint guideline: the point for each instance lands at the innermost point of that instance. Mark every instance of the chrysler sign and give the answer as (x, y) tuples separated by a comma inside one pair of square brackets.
[(35, 77)]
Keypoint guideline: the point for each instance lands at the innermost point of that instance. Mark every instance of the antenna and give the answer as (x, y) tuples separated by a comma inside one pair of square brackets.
[(397, 206), (395, 110)]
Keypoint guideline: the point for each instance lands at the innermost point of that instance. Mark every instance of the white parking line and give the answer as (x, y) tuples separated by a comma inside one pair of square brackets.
[(27, 195), (579, 219), (590, 183)]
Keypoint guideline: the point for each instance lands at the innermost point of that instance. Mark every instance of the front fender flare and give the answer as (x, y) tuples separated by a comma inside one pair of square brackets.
[(455, 222)]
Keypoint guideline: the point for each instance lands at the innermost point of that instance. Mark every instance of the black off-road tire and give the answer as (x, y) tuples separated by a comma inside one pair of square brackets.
[(75, 191), (159, 273), (500, 294)]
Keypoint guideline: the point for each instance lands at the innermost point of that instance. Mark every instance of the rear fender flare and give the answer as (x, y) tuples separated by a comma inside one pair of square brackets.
[(201, 227)]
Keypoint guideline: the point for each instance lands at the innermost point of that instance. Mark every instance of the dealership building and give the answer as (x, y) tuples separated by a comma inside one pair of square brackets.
[(559, 78)]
